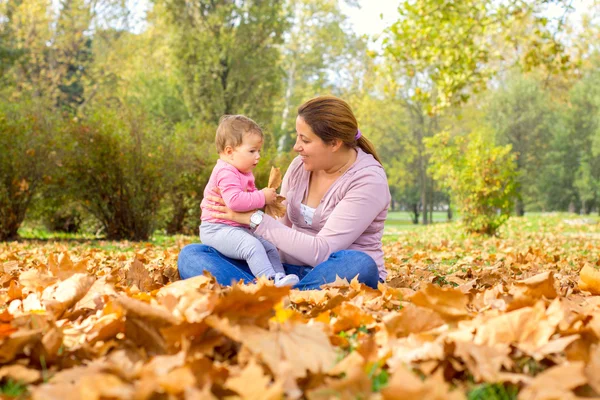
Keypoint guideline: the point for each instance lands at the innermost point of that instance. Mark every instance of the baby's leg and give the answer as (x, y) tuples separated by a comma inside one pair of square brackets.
[(272, 253), (239, 244)]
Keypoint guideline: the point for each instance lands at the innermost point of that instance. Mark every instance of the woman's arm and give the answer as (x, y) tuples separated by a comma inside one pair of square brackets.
[(350, 218)]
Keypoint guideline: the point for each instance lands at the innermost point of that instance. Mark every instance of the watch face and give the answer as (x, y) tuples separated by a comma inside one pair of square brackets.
[(256, 218)]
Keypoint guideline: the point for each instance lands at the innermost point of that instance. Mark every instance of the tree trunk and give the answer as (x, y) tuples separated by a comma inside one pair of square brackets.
[(431, 202), (415, 213), (520, 207), (286, 107)]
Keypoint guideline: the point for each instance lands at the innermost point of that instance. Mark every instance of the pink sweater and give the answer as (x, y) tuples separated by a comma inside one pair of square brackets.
[(350, 216), (238, 191)]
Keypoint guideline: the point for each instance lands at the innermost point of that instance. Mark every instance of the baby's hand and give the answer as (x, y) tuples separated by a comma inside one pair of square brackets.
[(270, 195)]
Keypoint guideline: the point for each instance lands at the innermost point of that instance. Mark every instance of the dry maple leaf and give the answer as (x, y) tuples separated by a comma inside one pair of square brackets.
[(153, 314), (277, 209), (556, 383), (589, 279), (405, 385), (253, 384), (63, 295), (448, 302), (139, 275), (20, 373)]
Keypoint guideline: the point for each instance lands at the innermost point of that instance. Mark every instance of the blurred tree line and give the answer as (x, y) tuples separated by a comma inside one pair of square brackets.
[(107, 125)]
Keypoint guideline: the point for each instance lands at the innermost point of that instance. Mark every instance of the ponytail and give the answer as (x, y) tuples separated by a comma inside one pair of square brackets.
[(368, 147)]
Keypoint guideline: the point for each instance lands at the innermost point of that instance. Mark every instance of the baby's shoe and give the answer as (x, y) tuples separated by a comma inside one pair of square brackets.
[(282, 279)]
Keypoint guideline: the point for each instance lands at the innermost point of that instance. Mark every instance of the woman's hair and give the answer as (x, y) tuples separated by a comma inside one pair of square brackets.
[(332, 118), (231, 131)]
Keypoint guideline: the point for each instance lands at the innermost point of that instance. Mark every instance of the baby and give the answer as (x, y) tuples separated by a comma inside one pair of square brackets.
[(239, 140)]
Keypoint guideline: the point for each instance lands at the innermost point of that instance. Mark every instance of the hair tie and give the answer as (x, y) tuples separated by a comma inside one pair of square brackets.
[(358, 134)]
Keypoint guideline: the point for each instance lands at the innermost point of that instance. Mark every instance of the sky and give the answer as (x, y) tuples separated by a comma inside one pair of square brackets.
[(371, 18), (373, 15)]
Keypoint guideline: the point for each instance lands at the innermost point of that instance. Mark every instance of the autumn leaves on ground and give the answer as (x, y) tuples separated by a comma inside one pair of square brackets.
[(459, 317)]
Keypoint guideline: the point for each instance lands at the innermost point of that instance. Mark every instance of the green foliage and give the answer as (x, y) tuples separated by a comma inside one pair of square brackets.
[(572, 172), (479, 175), (14, 389), (493, 391), (25, 160), (227, 54), (449, 49), (115, 168), (520, 114)]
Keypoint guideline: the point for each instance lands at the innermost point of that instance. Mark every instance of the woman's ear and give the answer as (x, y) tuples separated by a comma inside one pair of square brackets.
[(336, 144)]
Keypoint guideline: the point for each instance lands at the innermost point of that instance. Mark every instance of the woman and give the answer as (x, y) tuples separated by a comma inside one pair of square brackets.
[(337, 201)]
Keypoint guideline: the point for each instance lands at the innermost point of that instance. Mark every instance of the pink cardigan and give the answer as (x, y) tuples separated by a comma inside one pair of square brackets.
[(238, 191), (351, 215)]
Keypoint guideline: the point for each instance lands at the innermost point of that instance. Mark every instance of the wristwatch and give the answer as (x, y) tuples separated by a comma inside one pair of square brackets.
[(256, 218)]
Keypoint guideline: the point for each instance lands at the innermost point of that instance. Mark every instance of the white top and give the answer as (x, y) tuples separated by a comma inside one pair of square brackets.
[(307, 213)]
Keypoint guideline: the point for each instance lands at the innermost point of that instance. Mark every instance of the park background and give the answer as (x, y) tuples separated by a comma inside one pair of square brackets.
[(108, 108)]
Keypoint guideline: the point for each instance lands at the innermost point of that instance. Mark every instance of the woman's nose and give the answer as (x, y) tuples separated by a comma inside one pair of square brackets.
[(297, 146)]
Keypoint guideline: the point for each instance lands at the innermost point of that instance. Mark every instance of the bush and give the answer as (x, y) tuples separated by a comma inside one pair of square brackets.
[(192, 159), (114, 167), (479, 175), (25, 135)]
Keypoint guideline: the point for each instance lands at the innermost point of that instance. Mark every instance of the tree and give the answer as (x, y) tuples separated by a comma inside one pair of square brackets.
[(520, 113), (227, 53), (317, 41), (440, 52), (25, 160), (479, 175)]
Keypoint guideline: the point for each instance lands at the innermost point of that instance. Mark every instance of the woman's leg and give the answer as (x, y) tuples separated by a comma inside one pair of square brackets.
[(345, 264), (196, 258)]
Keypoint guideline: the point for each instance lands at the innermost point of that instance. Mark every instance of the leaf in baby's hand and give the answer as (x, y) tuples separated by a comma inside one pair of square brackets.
[(274, 178)]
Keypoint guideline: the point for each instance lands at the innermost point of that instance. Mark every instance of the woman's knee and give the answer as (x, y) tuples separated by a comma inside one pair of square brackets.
[(187, 261), (356, 257)]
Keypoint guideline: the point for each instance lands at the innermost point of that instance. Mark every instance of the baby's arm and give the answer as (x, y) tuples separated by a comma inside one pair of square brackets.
[(234, 195)]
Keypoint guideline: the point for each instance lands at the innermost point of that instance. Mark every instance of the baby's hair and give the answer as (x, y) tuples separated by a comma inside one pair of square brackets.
[(231, 131)]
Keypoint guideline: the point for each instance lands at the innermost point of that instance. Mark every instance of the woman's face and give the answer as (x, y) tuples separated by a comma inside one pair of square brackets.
[(315, 153)]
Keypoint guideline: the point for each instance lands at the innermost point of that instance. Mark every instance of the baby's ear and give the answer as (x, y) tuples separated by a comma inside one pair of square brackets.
[(228, 150)]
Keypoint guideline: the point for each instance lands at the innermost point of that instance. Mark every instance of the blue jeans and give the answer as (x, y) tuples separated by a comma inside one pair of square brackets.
[(196, 258)]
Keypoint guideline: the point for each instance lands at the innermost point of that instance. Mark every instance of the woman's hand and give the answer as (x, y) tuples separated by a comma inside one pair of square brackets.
[(224, 212)]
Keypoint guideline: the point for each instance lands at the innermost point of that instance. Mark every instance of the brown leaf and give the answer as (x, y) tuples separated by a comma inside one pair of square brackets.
[(274, 178), (20, 373), (276, 209), (145, 336), (449, 302), (555, 383), (139, 275), (405, 385), (349, 316), (253, 384), (589, 279), (528, 291), (13, 345), (63, 295), (412, 319), (155, 315), (177, 380), (484, 362)]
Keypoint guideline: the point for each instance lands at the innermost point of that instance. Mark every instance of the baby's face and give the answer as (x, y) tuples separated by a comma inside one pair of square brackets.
[(245, 157)]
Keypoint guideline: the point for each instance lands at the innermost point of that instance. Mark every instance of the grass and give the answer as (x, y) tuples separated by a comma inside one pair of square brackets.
[(398, 224), (13, 389)]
